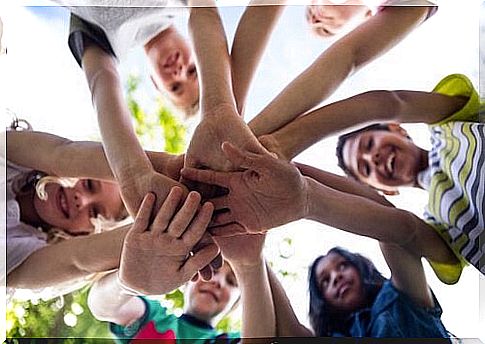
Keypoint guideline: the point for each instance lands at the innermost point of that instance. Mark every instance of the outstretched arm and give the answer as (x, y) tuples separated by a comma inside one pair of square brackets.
[(252, 35), (62, 157), (349, 54), (127, 160), (81, 257), (364, 108)]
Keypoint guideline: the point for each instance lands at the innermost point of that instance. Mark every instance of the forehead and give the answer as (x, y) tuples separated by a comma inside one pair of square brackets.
[(329, 262)]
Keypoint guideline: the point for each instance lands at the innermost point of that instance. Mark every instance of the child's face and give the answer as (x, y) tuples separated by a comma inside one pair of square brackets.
[(174, 68), (340, 283), (207, 299), (327, 18), (72, 209), (383, 159)]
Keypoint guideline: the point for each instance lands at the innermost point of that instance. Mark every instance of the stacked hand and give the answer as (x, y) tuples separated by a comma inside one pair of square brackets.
[(162, 253), (265, 192)]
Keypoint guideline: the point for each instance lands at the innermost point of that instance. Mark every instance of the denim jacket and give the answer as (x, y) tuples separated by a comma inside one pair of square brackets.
[(394, 314)]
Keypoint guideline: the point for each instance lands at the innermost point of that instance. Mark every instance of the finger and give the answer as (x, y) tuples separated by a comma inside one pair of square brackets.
[(228, 230), (142, 220), (184, 216), (167, 210), (198, 226), (220, 203), (221, 219), (240, 159), (206, 176), (217, 262)]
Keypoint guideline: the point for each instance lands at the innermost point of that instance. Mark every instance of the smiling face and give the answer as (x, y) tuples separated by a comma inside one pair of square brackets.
[(330, 17), (207, 299), (340, 283), (72, 209), (174, 68), (384, 159)]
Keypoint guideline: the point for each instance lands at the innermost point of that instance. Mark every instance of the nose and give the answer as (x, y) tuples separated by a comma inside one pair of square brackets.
[(81, 200), (336, 276)]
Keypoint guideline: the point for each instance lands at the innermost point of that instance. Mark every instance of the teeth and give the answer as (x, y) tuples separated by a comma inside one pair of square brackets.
[(390, 162), (64, 203)]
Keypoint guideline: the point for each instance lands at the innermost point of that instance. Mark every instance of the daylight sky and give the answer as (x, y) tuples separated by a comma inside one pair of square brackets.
[(42, 83)]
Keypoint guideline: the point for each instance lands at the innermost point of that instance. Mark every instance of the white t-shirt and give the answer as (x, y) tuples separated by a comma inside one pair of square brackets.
[(22, 239), (125, 25)]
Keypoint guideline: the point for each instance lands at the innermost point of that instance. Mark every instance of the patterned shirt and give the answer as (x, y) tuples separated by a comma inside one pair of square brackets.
[(455, 179)]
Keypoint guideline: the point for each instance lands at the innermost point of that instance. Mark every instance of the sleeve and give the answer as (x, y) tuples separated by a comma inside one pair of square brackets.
[(432, 6), (153, 310), (82, 34), (19, 248), (460, 85)]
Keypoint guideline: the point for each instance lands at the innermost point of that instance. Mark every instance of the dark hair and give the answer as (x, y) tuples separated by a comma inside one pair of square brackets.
[(326, 321), (342, 139)]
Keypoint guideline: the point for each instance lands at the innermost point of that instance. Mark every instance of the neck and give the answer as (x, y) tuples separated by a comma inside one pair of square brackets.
[(422, 165), (204, 318), (28, 214)]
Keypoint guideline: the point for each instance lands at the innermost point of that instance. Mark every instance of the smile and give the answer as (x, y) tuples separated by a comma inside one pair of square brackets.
[(171, 60), (390, 164), (343, 289), (62, 203)]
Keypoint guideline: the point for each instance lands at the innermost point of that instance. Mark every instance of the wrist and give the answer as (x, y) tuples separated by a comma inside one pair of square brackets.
[(308, 208), (248, 267), (125, 289)]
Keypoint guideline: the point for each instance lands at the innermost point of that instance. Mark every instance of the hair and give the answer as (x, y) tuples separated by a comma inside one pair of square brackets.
[(342, 140), (326, 321), (38, 180)]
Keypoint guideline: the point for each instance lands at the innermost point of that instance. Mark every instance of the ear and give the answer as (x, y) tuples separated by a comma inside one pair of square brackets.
[(368, 14), (396, 128)]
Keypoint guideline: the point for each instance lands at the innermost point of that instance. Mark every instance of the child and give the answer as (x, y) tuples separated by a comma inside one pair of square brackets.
[(350, 298), (37, 220), (387, 159), (329, 18), (134, 317)]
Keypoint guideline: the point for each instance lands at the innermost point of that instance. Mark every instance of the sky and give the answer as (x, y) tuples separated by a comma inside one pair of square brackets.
[(43, 84)]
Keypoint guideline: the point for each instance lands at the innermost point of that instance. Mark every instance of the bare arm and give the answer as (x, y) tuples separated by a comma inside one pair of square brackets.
[(384, 223), (407, 274), (127, 160), (287, 323), (252, 35), (214, 64), (69, 260), (107, 301), (362, 45), (59, 156), (364, 108)]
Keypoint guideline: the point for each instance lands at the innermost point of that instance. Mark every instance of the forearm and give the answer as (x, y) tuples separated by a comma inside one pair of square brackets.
[(69, 260), (342, 184), (123, 151), (214, 67), (378, 221), (252, 35), (287, 323), (108, 301), (257, 302)]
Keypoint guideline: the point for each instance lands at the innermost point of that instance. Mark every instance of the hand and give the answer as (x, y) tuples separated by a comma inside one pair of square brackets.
[(159, 257), (242, 250), (167, 164), (272, 145), (205, 147), (268, 193), (135, 188)]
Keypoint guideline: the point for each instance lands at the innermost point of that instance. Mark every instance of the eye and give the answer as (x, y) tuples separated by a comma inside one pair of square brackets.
[(370, 144), (192, 71), (175, 87), (324, 283), (93, 212), (231, 280), (342, 265), (88, 185)]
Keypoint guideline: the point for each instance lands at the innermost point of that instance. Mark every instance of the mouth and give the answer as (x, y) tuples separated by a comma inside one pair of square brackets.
[(62, 204), (343, 289), (390, 164), (214, 296), (171, 60)]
